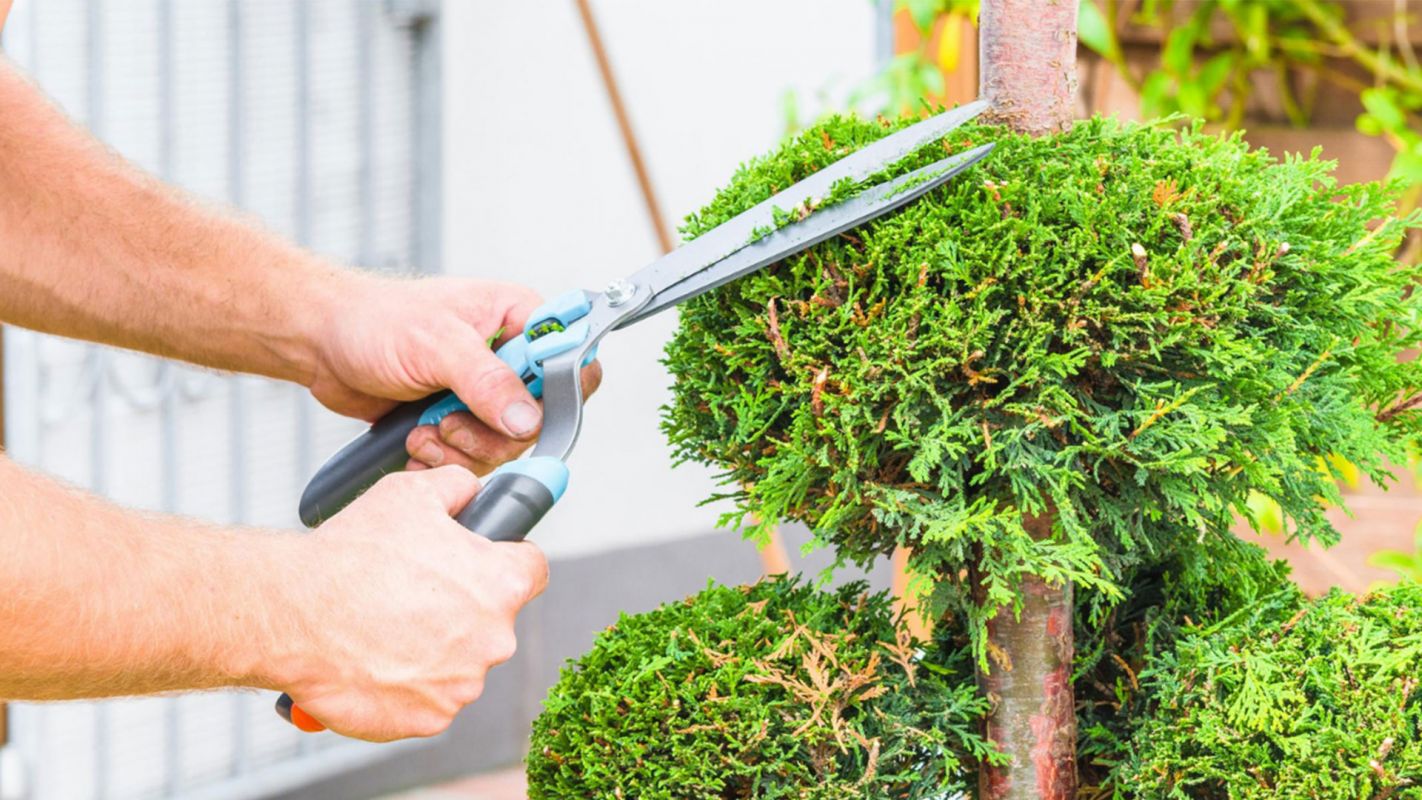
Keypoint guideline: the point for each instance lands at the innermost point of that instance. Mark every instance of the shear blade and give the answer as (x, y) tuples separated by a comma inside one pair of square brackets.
[(819, 226)]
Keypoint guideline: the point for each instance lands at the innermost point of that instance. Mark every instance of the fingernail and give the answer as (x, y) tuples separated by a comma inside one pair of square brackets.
[(430, 453), (520, 419), (462, 440)]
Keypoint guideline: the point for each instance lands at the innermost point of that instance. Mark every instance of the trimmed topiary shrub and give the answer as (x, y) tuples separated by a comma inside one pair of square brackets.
[(1117, 336), (717, 696), (776, 690), (1287, 698), (1127, 327)]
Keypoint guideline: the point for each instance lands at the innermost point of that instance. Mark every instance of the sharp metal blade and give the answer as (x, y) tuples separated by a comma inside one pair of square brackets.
[(816, 228), (739, 231)]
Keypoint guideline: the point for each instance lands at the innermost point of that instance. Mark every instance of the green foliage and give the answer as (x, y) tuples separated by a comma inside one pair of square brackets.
[(1164, 601), (700, 699), (776, 690), (1129, 327), (1288, 699)]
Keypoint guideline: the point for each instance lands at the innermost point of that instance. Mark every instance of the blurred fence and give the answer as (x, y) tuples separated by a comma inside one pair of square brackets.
[(321, 117)]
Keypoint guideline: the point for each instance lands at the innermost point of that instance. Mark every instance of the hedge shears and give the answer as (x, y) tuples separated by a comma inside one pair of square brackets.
[(563, 334)]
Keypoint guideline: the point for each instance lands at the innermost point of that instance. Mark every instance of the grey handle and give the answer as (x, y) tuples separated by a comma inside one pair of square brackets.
[(365, 460), (507, 508)]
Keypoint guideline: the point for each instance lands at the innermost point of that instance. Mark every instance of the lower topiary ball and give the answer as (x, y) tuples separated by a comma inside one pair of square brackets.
[(1287, 698), (776, 690), (1206, 683)]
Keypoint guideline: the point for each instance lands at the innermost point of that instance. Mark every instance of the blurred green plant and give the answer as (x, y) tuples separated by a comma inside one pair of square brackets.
[(913, 76), (1407, 565), (1211, 63)]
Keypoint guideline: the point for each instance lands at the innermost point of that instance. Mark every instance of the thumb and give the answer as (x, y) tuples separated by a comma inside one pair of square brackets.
[(493, 392), (454, 485)]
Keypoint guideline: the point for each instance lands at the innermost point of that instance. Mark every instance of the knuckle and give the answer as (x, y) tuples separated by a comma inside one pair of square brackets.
[(502, 646), (496, 379), (520, 585), (431, 724), (533, 574), (470, 692)]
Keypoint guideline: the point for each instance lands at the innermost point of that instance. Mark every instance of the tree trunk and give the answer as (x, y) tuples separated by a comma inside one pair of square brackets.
[(1027, 50), (1028, 68), (1033, 717)]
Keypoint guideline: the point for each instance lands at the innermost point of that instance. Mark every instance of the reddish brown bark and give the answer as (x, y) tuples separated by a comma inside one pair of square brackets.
[(1027, 50), (1033, 718)]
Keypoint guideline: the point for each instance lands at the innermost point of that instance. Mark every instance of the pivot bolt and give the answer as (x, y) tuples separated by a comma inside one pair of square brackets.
[(619, 292)]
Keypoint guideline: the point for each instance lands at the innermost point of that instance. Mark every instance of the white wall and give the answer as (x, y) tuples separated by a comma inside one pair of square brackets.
[(538, 189)]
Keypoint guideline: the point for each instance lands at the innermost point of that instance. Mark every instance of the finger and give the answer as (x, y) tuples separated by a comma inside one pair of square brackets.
[(476, 440), (529, 568), (591, 378), (492, 391), (425, 445), (522, 302), (454, 486)]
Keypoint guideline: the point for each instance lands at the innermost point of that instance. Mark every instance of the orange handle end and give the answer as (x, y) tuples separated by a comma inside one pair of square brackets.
[(304, 721), (289, 711)]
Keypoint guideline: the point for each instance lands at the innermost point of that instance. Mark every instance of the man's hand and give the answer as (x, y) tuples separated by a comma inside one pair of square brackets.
[(408, 610), (395, 339)]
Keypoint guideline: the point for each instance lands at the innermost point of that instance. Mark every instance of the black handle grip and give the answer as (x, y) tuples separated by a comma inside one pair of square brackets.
[(357, 466)]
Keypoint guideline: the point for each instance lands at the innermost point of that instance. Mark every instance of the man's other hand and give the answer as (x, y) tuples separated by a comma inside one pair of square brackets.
[(404, 611), (396, 339)]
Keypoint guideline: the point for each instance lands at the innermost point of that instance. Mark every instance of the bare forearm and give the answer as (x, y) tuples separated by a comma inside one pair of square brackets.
[(92, 248), (102, 601)]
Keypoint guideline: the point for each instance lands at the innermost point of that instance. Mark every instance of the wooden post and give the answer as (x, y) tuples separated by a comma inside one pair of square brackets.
[(1028, 65), (4, 715), (1033, 716)]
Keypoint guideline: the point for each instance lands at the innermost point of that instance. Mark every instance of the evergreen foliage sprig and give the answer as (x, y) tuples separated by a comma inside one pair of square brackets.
[(1130, 327), (1288, 698), (776, 690), (1164, 601)]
